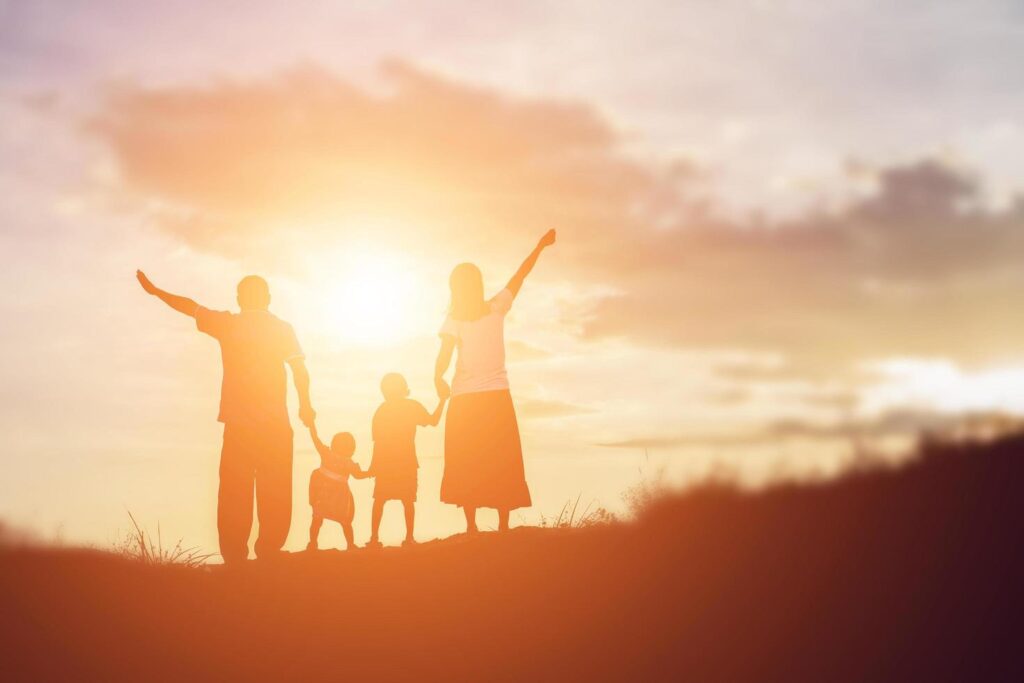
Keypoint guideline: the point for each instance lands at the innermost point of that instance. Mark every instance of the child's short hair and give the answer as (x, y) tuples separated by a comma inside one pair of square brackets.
[(343, 444), (394, 386)]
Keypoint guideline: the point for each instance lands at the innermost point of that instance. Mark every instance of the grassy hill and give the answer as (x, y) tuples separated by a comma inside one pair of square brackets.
[(907, 574)]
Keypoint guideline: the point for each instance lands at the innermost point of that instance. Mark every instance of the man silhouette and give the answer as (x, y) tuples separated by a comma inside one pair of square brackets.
[(255, 346)]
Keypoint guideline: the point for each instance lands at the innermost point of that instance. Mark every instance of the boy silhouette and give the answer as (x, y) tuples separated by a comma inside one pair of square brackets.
[(394, 462)]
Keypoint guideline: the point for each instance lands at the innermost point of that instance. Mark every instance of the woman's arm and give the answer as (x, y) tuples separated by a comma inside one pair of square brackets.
[(444, 360), (435, 417), (516, 282)]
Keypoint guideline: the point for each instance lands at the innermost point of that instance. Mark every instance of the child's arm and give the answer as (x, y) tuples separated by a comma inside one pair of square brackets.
[(359, 473), (321, 447), (435, 417)]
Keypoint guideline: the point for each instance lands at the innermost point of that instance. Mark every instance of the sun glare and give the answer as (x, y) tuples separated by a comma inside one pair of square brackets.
[(374, 299)]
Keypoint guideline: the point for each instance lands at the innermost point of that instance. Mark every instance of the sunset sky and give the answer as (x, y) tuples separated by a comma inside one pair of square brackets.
[(782, 225)]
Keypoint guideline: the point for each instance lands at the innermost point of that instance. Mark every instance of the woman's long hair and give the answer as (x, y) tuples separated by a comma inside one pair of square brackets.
[(467, 286)]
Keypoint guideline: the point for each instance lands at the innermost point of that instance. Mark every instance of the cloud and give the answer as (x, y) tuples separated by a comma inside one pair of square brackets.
[(521, 352), (543, 409), (286, 162), (890, 423), (894, 423), (913, 270), (683, 441), (306, 152)]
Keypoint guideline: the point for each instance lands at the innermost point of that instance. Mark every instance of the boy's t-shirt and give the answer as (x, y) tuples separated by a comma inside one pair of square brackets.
[(394, 432)]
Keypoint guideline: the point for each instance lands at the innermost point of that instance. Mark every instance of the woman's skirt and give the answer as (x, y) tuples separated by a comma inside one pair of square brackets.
[(483, 458), (330, 497)]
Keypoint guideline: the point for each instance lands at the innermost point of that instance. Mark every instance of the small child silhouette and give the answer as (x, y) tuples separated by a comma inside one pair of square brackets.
[(329, 494), (394, 461)]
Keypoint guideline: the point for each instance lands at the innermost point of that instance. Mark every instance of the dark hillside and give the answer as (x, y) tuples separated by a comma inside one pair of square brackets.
[(908, 574)]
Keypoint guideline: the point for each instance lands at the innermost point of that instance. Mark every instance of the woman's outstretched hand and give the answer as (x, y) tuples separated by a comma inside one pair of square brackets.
[(144, 281), (516, 282), (443, 390)]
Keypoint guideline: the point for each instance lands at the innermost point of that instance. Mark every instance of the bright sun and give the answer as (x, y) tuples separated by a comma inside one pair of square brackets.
[(374, 299)]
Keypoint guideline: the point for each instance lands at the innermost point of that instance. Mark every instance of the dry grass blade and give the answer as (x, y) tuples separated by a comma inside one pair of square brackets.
[(568, 519), (140, 547)]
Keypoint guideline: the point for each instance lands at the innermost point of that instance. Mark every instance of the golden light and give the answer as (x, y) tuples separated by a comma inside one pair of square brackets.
[(373, 299)]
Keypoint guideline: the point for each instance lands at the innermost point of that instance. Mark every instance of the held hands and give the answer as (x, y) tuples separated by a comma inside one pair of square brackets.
[(144, 281), (547, 240), (308, 416), (443, 390)]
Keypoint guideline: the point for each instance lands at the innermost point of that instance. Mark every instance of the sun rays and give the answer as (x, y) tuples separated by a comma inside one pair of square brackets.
[(374, 298)]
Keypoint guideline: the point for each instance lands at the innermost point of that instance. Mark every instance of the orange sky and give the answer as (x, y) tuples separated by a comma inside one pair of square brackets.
[(729, 288)]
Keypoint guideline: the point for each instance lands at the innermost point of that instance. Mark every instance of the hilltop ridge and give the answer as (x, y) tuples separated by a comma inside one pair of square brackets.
[(888, 574)]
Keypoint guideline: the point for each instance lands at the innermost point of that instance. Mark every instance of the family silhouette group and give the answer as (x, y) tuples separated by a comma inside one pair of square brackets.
[(483, 458)]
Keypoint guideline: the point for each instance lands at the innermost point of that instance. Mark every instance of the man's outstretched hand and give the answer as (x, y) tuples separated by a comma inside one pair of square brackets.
[(144, 281), (548, 239)]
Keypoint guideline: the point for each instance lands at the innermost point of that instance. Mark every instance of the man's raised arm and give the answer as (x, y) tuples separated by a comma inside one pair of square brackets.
[(179, 303)]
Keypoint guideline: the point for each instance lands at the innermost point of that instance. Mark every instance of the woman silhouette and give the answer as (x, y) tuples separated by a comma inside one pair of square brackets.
[(483, 458)]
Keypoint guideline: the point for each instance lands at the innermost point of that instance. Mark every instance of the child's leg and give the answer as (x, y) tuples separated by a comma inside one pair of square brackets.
[(410, 519), (314, 531), (375, 515), (470, 513), (503, 519), (346, 528)]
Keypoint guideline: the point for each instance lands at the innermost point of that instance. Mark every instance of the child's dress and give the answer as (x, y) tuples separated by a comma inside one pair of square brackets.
[(329, 494), (394, 461)]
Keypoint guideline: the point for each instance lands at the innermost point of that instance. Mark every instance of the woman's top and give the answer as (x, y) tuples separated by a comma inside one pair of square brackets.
[(480, 365)]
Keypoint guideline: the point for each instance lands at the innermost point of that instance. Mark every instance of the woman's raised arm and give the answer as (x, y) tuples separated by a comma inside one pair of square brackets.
[(516, 282)]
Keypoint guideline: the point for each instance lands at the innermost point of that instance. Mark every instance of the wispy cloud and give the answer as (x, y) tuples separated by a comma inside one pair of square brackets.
[(288, 159), (542, 408)]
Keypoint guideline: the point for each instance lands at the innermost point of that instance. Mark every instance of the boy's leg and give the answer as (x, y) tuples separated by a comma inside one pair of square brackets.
[(410, 519), (314, 532), (234, 495), (346, 528), (503, 519), (375, 515), (470, 513)]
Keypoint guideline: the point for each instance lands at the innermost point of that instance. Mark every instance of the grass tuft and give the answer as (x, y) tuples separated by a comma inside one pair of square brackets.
[(568, 518), (140, 546)]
